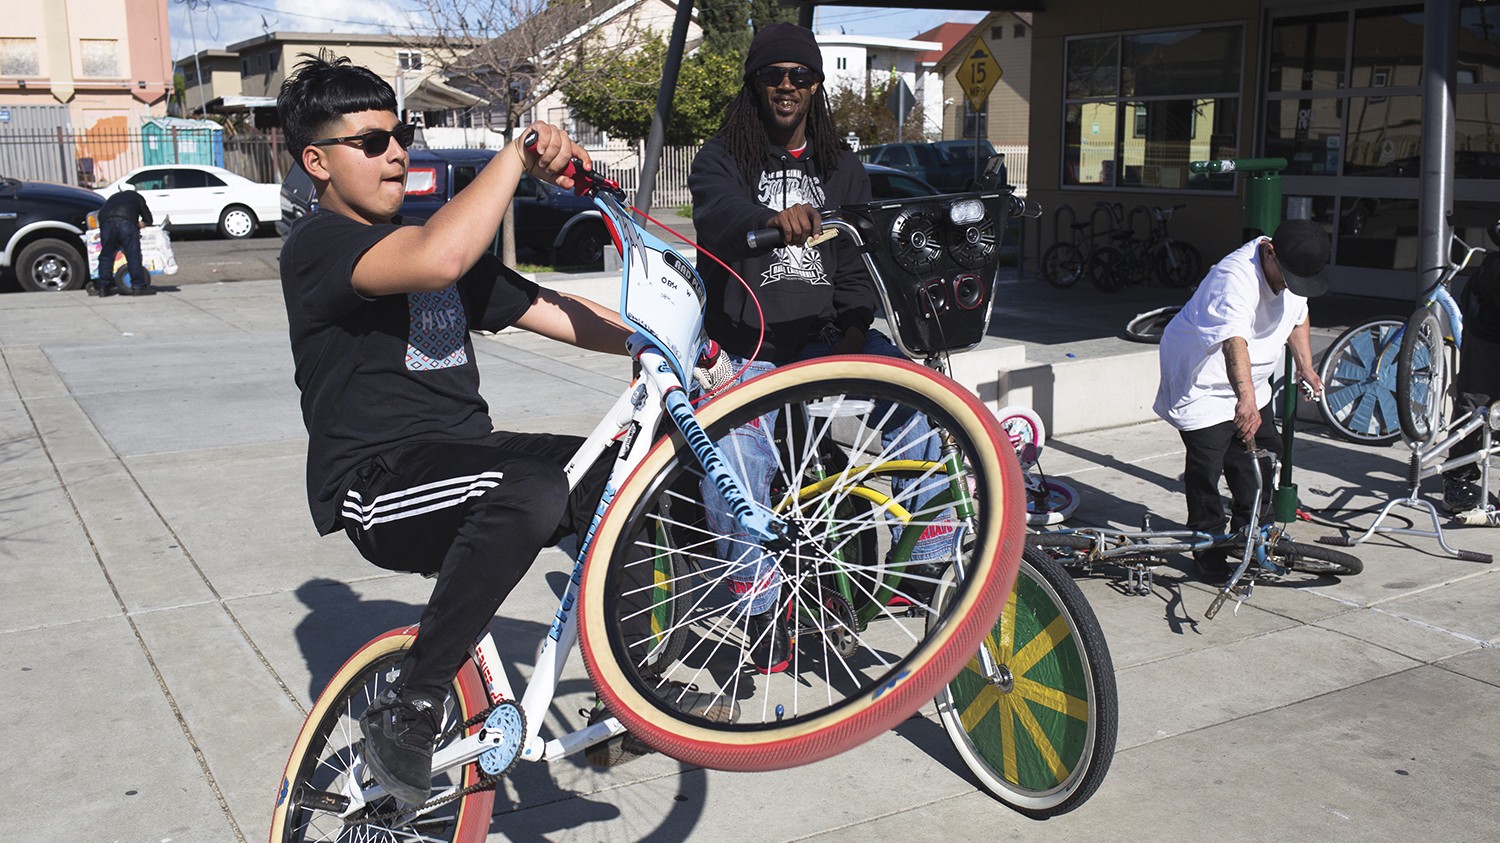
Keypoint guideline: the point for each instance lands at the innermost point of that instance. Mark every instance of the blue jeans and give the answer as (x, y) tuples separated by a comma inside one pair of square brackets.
[(751, 450)]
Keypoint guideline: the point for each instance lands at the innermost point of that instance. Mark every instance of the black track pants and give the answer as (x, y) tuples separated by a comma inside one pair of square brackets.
[(476, 514)]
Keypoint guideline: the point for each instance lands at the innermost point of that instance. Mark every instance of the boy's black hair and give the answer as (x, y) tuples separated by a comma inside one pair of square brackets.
[(322, 89)]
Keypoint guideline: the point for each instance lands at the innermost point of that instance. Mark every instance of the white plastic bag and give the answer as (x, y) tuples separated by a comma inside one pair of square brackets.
[(156, 252)]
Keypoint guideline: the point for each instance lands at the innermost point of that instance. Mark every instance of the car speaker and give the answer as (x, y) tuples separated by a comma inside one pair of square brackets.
[(915, 240)]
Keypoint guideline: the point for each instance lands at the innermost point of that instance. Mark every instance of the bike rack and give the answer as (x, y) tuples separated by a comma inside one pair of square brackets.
[(1423, 459)]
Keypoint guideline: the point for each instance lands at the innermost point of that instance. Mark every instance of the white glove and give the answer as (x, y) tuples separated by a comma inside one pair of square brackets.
[(714, 371)]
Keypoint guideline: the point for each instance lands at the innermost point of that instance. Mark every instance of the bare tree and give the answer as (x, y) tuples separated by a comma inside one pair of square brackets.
[(518, 53)]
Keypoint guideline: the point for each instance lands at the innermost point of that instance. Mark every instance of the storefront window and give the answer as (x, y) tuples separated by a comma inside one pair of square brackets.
[(1307, 133), (1142, 106), (1479, 43), (1387, 48), (1192, 61), (1385, 136), (1307, 53)]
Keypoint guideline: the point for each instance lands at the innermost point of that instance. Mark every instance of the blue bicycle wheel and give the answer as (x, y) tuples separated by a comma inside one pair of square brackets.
[(1359, 383)]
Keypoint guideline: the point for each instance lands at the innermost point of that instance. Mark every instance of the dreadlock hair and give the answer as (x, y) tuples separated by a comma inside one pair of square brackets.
[(322, 89), (745, 139)]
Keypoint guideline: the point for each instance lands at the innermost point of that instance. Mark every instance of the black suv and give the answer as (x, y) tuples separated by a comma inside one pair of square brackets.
[(41, 233), (552, 225)]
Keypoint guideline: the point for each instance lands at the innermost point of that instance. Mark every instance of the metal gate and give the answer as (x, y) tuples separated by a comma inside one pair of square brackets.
[(36, 143)]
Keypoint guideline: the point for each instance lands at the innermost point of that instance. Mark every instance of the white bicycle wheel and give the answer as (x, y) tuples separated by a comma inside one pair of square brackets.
[(1024, 427), (1049, 502)]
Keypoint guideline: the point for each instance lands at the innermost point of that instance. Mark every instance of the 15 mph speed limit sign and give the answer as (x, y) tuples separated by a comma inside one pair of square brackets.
[(978, 74)]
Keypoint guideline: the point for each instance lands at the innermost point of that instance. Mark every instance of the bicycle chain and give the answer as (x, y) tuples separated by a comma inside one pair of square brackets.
[(485, 782)]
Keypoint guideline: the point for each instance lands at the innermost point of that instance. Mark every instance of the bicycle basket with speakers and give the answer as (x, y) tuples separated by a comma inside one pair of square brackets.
[(935, 261)]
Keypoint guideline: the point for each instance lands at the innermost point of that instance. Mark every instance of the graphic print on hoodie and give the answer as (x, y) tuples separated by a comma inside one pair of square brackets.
[(779, 191)]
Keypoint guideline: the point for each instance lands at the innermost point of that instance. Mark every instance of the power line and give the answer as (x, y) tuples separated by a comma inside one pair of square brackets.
[(207, 5)]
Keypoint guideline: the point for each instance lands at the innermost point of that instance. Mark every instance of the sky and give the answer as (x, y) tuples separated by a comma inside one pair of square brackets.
[(215, 24)]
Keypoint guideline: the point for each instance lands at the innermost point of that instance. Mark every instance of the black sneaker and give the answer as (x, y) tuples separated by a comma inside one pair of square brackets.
[(771, 641), (1213, 570), (398, 744), (1460, 495)]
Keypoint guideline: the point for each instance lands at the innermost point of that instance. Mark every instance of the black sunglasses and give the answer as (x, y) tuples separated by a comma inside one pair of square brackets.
[(770, 76), (375, 141)]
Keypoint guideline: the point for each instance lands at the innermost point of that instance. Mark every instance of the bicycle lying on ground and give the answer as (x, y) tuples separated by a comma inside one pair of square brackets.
[(1049, 501), (652, 600), (1388, 377), (1265, 552)]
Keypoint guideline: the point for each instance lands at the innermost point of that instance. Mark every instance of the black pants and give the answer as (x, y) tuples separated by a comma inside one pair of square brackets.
[(1217, 451), (119, 235), (1477, 384), (476, 514)]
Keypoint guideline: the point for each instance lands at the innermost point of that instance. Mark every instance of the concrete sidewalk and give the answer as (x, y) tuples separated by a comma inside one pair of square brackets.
[(167, 614)]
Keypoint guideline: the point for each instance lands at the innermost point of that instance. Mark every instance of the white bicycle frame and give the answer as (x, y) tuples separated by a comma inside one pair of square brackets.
[(662, 298)]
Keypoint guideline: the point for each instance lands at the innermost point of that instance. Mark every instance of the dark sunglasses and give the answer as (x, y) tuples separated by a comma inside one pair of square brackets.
[(771, 76), (375, 141)]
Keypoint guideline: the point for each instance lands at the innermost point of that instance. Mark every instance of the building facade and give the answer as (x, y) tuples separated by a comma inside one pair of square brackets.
[(1006, 116), (1125, 96), (87, 63)]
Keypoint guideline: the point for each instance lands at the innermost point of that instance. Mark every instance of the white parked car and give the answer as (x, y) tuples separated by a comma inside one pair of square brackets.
[(196, 196)]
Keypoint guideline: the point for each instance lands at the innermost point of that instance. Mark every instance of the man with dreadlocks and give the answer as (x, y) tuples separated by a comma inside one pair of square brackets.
[(776, 159)]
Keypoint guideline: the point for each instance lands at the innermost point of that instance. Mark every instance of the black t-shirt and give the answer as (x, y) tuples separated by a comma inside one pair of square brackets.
[(379, 372)]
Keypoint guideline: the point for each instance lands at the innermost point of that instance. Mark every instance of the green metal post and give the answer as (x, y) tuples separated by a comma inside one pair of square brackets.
[(1262, 215)]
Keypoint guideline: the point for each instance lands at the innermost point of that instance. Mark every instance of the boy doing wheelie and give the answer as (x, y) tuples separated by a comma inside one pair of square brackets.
[(402, 454)]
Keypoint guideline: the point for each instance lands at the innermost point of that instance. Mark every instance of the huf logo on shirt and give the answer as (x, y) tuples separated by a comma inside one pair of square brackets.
[(438, 325), (779, 191)]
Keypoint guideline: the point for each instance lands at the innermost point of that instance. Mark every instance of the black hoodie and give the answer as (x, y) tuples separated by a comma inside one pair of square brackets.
[(801, 291)]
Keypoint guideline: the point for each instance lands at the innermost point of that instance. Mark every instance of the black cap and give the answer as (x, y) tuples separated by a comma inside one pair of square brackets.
[(784, 42), (1302, 251)]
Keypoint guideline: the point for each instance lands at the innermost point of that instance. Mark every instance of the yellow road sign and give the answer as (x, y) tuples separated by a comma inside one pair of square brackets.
[(978, 74)]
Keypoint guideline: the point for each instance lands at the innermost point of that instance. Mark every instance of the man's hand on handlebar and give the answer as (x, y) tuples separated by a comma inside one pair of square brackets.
[(853, 342), (546, 152), (797, 223)]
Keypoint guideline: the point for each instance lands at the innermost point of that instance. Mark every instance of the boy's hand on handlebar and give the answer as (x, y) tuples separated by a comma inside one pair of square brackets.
[(797, 223), (714, 370), (547, 151)]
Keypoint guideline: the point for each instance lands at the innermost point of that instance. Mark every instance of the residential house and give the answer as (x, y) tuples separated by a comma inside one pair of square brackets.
[(95, 66), (936, 102), (257, 66), (862, 62), (220, 77), (619, 26), (1005, 118)]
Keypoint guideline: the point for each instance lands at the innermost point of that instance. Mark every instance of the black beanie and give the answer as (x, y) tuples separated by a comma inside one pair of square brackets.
[(784, 42)]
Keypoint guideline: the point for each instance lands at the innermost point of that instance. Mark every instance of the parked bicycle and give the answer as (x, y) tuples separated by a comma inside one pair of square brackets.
[(1133, 260), (1388, 377), (1265, 551), (651, 602), (1064, 261)]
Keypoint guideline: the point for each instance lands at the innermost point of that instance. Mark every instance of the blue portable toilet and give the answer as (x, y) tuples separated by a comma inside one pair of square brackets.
[(175, 140)]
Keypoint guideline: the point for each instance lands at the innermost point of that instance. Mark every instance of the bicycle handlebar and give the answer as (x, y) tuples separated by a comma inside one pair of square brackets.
[(770, 238), (585, 181)]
